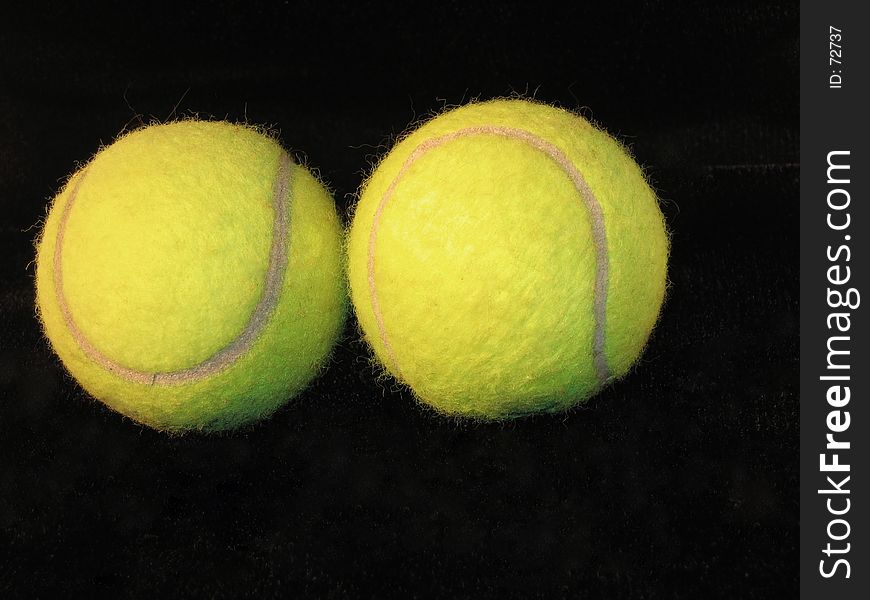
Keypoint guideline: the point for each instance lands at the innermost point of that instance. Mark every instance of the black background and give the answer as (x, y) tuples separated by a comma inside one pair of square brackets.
[(681, 481)]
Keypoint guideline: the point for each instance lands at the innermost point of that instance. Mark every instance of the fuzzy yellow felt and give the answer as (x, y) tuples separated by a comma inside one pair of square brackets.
[(505, 258), (190, 276)]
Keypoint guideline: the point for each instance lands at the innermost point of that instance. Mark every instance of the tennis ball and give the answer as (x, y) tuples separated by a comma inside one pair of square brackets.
[(190, 276), (506, 258)]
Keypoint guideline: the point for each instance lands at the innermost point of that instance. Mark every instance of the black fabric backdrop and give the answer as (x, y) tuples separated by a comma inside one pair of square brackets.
[(678, 482)]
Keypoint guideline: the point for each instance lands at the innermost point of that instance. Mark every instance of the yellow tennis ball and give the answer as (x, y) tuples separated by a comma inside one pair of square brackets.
[(190, 275), (505, 258)]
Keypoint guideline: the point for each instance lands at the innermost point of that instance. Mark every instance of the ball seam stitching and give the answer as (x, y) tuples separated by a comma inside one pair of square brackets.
[(593, 208), (229, 354)]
